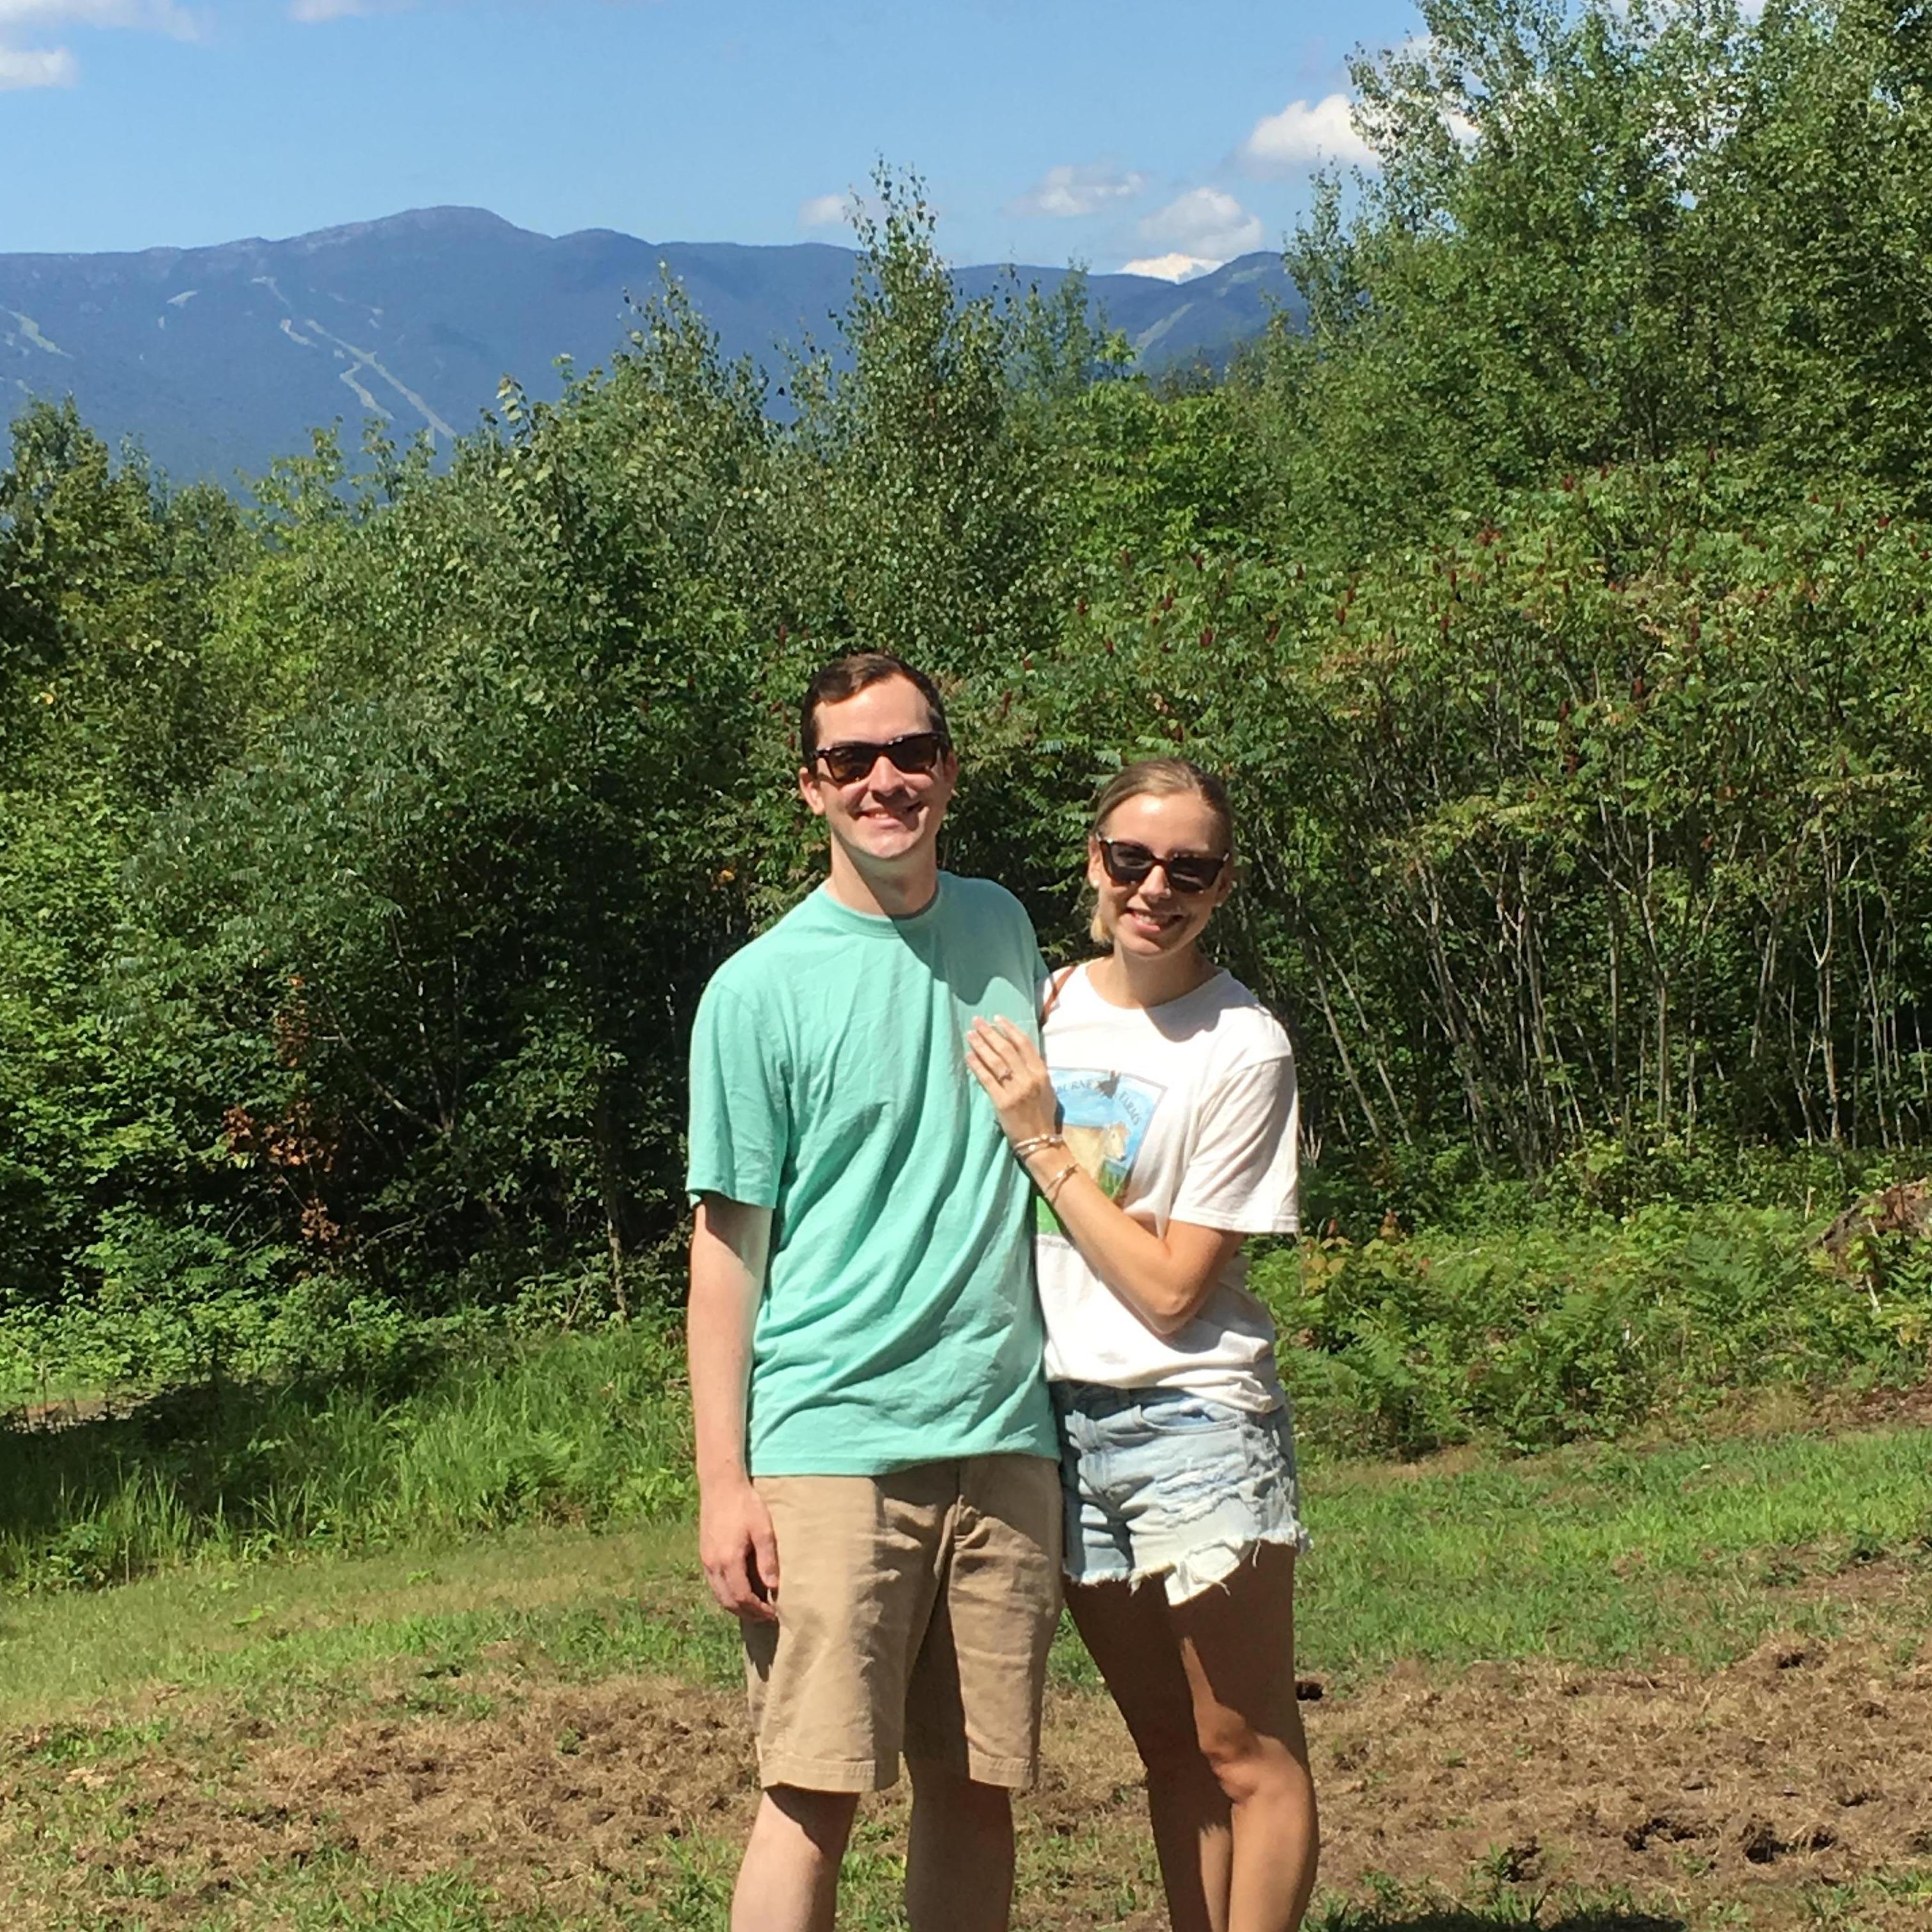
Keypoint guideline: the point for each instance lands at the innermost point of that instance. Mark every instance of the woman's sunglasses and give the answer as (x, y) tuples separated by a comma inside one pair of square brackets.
[(917, 753), (1127, 863)]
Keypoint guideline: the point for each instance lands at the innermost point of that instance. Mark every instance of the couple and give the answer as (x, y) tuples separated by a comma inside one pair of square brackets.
[(886, 1476)]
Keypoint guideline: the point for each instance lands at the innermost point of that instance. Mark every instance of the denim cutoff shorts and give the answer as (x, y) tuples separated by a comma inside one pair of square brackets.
[(1161, 1482)]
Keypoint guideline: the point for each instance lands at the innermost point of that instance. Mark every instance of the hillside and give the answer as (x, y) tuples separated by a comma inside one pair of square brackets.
[(219, 359)]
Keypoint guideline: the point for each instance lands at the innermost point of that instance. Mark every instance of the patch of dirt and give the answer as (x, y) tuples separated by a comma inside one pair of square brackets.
[(544, 1802), (1884, 1581), (1891, 1407), (1805, 1766), (66, 1412), (1835, 1412)]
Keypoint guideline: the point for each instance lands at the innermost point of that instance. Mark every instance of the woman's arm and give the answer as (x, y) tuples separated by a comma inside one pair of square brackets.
[(1163, 1278)]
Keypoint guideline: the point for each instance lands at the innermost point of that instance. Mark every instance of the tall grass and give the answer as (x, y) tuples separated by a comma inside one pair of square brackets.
[(1579, 1326), (580, 1427)]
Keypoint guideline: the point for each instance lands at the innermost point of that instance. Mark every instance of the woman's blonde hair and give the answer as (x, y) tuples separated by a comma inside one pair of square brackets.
[(1159, 778)]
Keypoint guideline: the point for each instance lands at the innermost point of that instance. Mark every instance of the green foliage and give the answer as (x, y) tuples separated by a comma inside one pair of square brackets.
[(1613, 234), (107, 589), (913, 508), (578, 1429), (1556, 602), (1582, 1328)]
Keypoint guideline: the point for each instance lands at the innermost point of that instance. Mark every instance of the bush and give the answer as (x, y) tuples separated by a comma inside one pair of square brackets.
[(1531, 1336)]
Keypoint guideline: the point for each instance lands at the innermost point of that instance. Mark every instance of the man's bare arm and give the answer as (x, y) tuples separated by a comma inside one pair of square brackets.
[(731, 1242)]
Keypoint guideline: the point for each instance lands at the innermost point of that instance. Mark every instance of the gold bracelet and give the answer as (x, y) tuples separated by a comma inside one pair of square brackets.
[(1051, 1188), (1034, 1142)]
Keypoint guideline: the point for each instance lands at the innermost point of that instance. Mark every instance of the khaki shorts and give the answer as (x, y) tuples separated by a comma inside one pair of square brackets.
[(915, 1610)]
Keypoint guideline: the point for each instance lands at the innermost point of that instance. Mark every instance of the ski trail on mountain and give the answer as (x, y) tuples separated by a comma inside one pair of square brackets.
[(366, 358), (30, 330), (366, 395)]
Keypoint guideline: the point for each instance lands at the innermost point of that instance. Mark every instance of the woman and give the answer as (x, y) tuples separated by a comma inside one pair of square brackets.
[(1163, 1134)]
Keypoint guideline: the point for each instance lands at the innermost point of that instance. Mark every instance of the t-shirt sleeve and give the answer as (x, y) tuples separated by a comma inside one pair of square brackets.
[(1241, 1171), (740, 1115), (1041, 982), (1029, 966)]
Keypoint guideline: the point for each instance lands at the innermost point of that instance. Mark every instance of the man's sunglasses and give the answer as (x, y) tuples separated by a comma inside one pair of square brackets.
[(1127, 863), (917, 753)]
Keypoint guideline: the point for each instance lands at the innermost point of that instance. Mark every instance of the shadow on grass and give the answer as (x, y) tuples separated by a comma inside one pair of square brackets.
[(106, 1494), (1507, 1913), (576, 1429)]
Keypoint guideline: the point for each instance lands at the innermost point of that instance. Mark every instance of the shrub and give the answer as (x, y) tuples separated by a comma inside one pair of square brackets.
[(1558, 1330)]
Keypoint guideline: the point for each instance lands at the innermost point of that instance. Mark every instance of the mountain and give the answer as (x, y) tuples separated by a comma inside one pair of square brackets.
[(220, 359)]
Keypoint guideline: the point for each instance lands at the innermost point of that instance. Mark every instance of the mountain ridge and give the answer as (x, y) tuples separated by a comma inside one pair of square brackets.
[(221, 357)]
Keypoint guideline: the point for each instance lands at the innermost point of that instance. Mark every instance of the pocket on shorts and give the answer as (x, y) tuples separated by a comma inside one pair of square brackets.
[(1179, 1414)]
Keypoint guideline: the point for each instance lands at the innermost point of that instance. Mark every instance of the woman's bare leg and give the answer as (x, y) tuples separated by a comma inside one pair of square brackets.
[(1237, 1646), (1138, 1653)]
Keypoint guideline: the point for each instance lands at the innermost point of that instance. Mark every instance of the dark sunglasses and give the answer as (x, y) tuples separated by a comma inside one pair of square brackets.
[(917, 753), (1127, 863)]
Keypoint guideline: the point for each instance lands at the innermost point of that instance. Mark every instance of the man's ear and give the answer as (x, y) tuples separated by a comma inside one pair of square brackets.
[(807, 790)]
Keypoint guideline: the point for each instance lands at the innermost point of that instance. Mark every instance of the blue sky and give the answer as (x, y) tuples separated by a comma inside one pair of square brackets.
[(1110, 131)]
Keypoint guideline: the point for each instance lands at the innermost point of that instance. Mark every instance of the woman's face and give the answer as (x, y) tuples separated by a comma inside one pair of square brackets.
[(1152, 919)]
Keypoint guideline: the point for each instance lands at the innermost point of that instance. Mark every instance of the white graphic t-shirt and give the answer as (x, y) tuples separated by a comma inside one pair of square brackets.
[(1182, 1112)]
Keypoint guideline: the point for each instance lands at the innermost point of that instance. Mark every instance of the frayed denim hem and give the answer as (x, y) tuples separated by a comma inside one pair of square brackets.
[(1164, 1483), (1213, 1564)]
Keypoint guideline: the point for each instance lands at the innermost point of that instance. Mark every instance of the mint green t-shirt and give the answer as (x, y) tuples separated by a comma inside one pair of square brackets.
[(829, 1083)]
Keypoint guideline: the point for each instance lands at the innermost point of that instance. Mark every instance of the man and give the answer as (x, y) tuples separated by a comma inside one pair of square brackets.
[(879, 1493)]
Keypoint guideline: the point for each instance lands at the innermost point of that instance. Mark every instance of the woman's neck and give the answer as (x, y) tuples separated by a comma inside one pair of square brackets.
[(1133, 980)]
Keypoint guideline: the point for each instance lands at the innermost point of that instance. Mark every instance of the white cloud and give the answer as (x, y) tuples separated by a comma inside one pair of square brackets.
[(824, 211), (56, 66), (1302, 133), (842, 211), (1176, 268), (31, 67), (314, 12), (1065, 191), (159, 16), (311, 12), (1206, 224)]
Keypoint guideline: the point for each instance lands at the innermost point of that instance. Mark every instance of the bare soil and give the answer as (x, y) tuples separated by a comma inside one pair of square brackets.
[(1802, 1768)]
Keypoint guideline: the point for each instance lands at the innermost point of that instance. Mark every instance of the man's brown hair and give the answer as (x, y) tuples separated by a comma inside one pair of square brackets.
[(846, 677)]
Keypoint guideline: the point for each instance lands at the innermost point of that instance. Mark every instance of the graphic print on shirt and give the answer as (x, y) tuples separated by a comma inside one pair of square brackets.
[(1104, 1115)]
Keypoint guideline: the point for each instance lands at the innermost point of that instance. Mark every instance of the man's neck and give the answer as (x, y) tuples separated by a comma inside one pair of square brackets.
[(894, 894)]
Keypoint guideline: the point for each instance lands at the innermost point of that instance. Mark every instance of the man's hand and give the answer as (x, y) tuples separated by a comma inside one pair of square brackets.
[(739, 1549)]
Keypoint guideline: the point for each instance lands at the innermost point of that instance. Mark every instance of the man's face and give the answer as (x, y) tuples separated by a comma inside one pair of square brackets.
[(886, 819)]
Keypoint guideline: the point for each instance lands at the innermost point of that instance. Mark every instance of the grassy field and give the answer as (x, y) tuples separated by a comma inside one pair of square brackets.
[(1588, 1689)]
